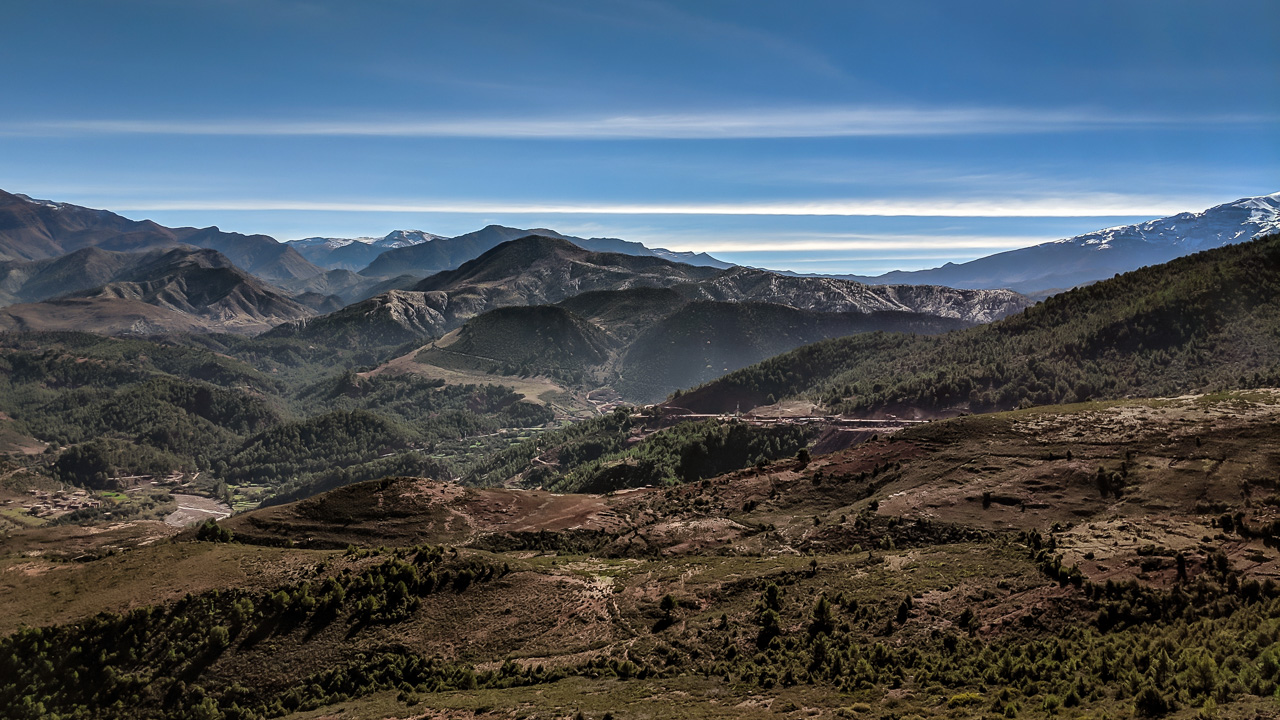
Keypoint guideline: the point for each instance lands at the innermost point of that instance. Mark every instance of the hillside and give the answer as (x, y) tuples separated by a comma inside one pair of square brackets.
[(104, 315), (1197, 323), (350, 287), (537, 269), (704, 340), (113, 408), (646, 343), (392, 318), (1063, 264), (36, 280), (205, 284), (193, 290), (1036, 564), (517, 340)]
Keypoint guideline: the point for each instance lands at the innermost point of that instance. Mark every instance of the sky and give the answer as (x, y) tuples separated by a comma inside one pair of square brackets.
[(832, 137)]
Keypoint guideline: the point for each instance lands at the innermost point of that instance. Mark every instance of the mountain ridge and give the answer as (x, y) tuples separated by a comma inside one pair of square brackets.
[(1062, 264), (1193, 324), (32, 229), (198, 290)]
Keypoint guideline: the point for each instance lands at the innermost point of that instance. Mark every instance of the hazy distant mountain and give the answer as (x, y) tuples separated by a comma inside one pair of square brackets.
[(349, 286), (1063, 264), (356, 253), (36, 280), (539, 270), (39, 229), (532, 270), (442, 254), (197, 290)]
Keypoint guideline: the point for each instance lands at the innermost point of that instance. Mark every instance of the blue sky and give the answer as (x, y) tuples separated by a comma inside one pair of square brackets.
[(814, 136)]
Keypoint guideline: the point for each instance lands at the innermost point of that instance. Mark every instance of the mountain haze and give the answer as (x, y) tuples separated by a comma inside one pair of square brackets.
[(441, 254), (40, 229), (1063, 264), (197, 289), (356, 253)]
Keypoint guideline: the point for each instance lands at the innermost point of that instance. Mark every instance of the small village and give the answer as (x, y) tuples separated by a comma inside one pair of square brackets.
[(52, 504)]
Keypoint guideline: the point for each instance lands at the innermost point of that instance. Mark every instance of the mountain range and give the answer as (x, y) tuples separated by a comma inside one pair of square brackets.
[(356, 253), (541, 270), (440, 254), (40, 229), (177, 290), (1051, 267), (1199, 323)]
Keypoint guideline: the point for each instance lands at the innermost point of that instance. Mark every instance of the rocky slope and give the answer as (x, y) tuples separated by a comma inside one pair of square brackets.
[(834, 295)]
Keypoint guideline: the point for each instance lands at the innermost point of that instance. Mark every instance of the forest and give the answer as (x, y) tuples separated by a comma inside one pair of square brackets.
[(1201, 323)]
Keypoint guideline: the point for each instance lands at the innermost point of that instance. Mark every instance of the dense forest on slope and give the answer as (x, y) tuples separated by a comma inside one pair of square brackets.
[(121, 407), (538, 339), (707, 339), (1202, 322), (433, 408), (621, 450)]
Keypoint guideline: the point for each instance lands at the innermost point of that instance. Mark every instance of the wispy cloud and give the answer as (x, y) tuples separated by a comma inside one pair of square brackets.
[(1092, 205), (738, 124), (787, 243)]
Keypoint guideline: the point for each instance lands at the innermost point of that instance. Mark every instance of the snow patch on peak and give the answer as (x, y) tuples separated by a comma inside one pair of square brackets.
[(1224, 224), (42, 203), (405, 238)]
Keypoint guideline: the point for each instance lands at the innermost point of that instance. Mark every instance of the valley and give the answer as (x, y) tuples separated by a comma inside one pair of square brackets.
[(991, 535), (553, 480), (640, 360)]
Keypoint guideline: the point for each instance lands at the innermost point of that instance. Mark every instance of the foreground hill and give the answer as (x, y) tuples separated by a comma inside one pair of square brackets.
[(1204, 321), (39, 229), (193, 290), (1111, 559), (1054, 266)]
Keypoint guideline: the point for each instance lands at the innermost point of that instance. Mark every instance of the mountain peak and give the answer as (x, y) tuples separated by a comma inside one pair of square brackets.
[(1057, 265)]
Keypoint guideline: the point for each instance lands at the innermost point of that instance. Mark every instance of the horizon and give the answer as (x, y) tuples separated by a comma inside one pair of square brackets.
[(830, 139), (917, 241)]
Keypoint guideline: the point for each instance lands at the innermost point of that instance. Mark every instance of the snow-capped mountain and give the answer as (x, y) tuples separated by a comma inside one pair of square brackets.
[(1191, 231), (405, 238), (356, 253), (1061, 264), (330, 243)]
